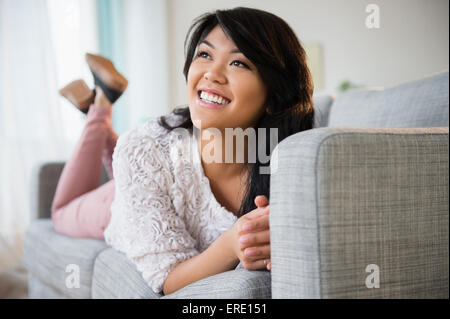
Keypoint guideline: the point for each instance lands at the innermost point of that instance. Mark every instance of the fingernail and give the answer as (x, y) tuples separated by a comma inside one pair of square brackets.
[(247, 226), (250, 252), (243, 239)]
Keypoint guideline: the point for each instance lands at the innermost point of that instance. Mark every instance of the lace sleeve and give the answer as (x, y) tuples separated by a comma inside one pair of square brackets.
[(144, 224)]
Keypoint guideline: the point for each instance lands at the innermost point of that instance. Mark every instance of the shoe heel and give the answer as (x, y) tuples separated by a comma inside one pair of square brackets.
[(106, 76), (111, 94)]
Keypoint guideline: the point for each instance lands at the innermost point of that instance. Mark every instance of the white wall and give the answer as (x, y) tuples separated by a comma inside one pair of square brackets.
[(412, 40)]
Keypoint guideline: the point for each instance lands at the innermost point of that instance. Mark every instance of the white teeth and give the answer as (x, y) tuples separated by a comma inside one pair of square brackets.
[(213, 98)]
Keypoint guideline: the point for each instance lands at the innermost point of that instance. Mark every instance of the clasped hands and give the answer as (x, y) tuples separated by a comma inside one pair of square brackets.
[(252, 236)]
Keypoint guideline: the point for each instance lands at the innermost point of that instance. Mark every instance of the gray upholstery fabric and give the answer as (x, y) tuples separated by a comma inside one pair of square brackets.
[(322, 106), (115, 276), (39, 290), (235, 284), (47, 254), (345, 198), (421, 103), (45, 178)]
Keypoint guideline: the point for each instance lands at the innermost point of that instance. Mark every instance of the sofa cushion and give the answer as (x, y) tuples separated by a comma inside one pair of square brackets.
[(39, 290), (421, 103), (47, 255), (115, 276), (322, 105)]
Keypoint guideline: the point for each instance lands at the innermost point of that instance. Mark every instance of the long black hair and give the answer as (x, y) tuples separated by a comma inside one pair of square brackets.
[(272, 46)]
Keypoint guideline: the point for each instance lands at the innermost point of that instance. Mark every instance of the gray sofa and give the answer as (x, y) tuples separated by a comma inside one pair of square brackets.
[(368, 187)]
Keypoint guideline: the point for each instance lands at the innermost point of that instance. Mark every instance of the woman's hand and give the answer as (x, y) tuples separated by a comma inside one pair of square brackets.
[(226, 251), (250, 237)]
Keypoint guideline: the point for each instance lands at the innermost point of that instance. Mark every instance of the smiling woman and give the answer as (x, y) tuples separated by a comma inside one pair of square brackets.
[(245, 68), (178, 220), (255, 60)]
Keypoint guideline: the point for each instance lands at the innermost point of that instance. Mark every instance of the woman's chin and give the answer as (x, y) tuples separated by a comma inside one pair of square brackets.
[(201, 121)]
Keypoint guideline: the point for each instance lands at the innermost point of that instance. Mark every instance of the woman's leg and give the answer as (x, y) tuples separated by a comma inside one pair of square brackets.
[(108, 151), (80, 207)]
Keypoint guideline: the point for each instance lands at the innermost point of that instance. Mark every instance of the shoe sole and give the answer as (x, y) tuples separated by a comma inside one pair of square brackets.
[(106, 71)]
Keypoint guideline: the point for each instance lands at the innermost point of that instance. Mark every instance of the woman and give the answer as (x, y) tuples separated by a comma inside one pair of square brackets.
[(179, 221)]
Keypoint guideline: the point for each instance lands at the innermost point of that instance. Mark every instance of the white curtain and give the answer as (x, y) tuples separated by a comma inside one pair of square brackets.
[(42, 43), (147, 58)]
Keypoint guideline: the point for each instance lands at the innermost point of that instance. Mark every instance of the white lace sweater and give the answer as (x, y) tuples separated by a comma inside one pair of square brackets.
[(164, 211)]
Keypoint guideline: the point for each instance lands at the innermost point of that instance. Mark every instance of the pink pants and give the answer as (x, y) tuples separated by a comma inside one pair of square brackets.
[(82, 208)]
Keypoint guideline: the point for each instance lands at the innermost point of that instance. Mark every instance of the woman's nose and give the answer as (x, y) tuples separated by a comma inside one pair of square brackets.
[(215, 74)]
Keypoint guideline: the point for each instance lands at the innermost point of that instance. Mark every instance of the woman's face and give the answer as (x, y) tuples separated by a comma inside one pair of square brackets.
[(218, 69)]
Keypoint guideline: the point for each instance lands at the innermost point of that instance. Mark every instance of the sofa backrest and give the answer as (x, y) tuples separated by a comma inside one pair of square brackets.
[(420, 103), (322, 105)]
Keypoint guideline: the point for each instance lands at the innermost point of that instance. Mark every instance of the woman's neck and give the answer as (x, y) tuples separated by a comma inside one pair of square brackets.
[(217, 165)]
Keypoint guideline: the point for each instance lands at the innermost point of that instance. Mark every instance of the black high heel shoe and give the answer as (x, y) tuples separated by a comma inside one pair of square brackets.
[(112, 83)]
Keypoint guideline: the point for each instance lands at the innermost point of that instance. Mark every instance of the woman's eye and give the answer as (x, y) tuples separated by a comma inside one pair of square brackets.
[(202, 54), (240, 63), (237, 63)]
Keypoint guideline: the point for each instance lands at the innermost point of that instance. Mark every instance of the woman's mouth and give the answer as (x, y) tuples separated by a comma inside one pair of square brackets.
[(211, 101)]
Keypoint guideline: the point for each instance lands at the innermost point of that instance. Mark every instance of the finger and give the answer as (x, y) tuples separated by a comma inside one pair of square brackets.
[(256, 224), (269, 265), (259, 252), (257, 212), (254, 239), (261, 201), (255, 265)]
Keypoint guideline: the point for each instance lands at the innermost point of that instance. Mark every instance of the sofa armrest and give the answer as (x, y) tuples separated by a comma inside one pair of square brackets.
[(345, 198), (45, 178), (234, 284)]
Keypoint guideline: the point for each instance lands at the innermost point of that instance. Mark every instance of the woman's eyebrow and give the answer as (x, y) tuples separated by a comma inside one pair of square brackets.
[(236, 50)]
